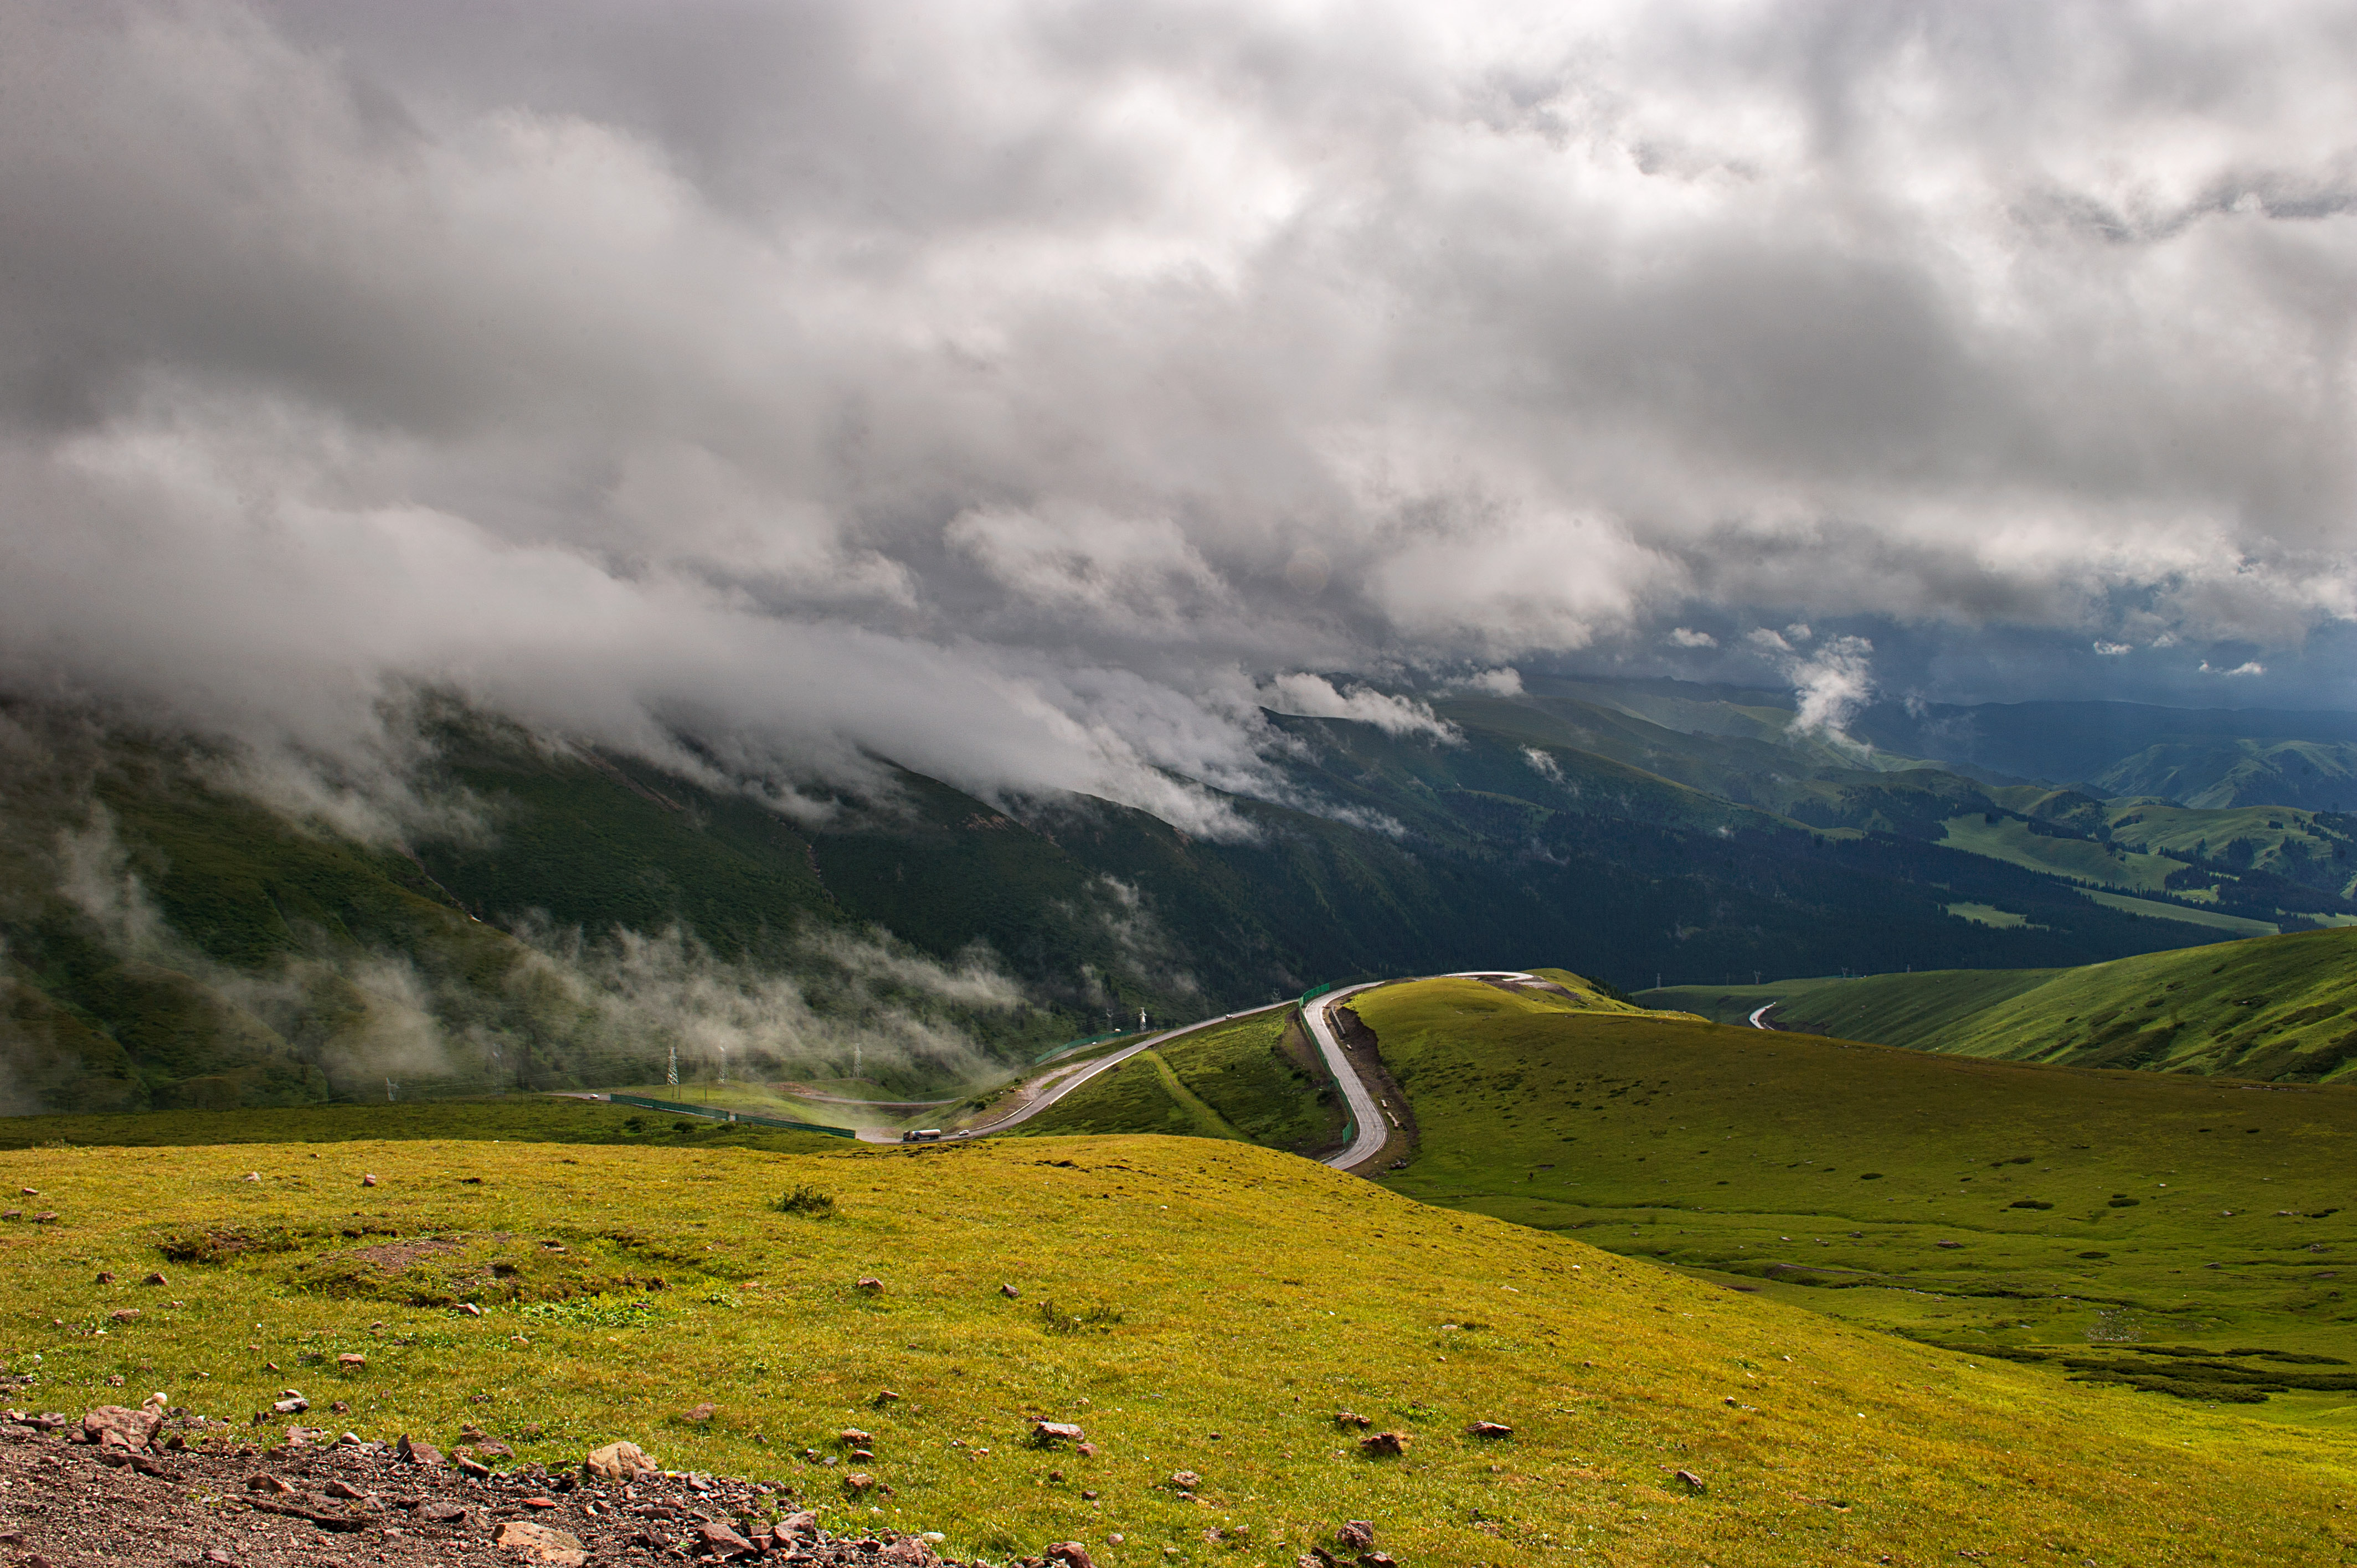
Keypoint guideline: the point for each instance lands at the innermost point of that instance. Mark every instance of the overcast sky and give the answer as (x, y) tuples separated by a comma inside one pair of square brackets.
[(1023, 391)]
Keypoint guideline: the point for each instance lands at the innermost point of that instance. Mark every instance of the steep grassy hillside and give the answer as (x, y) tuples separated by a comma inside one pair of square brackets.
[(2321, 775), (2277, 1008), (1196, 1307), (2026, 1210), (532, 914), (1888, 1009)]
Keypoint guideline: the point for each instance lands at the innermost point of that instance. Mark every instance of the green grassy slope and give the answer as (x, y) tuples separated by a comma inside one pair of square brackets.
[(2231, 773), (2308, 847), (2010, 839), (1982, 1203), (1213, 1307), (2277, 1008), (1888, 1009), (1254, 1080)]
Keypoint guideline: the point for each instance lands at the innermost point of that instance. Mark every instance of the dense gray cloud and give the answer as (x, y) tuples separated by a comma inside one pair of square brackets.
[(1026, 392)]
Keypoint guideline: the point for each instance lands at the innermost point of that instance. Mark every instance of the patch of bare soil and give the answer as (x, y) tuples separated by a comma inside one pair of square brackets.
[(67, 1504), (397, 1257)]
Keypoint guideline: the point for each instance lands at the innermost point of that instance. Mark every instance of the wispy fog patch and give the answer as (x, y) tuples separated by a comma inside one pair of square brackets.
[(95, 876), (1543, 764), (652, 993), (1313, 696)]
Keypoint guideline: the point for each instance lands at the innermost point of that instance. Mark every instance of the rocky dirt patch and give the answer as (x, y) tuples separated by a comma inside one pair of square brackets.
[(69, 1503)]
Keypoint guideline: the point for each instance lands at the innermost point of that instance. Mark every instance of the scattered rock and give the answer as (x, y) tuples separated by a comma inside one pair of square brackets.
[(852, 1436), (870, 1284), (128, 1430), (545, 1544), (1352, 1418), (1070, 1554), (541, 1503), (1085, 1450), (254, 1175), (471, 1309), (721, 1542), (124, 1314), (293, 1404), (423, 1454), (344, 1490), (704, 1411), (368, 1181), (351, 1362), (443, 1513), (30, 1191), (1008, 1291), (471, 1466), (1356, 1534), (1185, 1480), (270, 1483), (1691, 1479), (618, 1462), (800, 1523), (858, 1481), (1383, 1443), (106, 1276), (1047, 1432), (46, 1217), (1950, 1245), (884, 1397), (1491, 1429), (155, 1280), (491, 1449), (1377, 1559)]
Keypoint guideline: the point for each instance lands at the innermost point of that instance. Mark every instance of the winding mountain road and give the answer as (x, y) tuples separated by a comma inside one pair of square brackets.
[(1368, 1132), (1759, 1017), (1369, 1129), (1053, 1086)]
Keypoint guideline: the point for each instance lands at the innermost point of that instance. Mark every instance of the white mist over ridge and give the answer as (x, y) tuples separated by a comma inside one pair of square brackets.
[(1028, 394)]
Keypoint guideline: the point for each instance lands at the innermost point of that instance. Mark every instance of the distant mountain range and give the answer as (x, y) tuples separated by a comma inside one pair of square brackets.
[(553, 915)]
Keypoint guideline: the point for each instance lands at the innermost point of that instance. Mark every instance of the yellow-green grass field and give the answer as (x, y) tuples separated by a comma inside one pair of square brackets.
[(2001, 1205), (1211, 1307), (2274, 1007)]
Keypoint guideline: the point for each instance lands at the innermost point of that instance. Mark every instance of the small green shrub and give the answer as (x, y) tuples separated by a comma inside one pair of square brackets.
[(599, 1311), (804, 1199), (1057, 1321)]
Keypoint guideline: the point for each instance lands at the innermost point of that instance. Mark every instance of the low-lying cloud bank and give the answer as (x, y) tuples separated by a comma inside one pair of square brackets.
[(1028, 394)]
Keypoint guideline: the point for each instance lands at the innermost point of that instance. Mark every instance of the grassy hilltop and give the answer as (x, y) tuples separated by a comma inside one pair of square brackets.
[(1988, 1204), (1195, 1305), (2275, 1007)]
